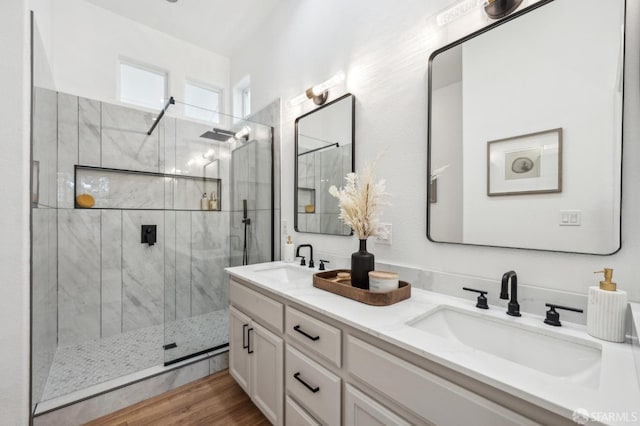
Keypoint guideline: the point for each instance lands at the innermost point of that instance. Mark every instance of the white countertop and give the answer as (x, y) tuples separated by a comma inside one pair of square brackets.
[(615, 401)]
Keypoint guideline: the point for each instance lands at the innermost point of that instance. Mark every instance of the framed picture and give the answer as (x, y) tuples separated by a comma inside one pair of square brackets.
[(527, 164)]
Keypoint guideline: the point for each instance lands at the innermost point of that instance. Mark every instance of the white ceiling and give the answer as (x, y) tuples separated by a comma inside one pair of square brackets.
[(216, 25)]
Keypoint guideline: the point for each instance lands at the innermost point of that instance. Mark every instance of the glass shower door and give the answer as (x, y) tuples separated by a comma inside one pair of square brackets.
[(202, 236)]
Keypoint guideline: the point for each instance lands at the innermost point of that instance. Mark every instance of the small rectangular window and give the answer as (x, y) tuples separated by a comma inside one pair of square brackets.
[(242, 98), (246, 101), (203, 103), (142, 86)]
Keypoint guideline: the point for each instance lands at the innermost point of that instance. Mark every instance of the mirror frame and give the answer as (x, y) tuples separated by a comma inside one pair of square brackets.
[(432, 191), (295, 158)]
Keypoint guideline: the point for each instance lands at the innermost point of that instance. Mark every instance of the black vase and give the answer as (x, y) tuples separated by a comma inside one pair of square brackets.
[(361, 263)]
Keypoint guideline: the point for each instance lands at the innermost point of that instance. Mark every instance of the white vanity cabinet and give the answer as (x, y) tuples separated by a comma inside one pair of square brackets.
[(255, 353), (303, 368)]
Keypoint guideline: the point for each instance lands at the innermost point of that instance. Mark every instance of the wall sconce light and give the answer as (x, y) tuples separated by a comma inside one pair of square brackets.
[(320, 92), (243, 133), (210, 155), (495, 9)]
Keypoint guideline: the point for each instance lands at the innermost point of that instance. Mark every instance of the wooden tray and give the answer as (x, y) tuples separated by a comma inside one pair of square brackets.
[(327, 281)]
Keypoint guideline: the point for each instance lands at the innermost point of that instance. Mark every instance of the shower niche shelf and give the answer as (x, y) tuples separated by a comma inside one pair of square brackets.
[(120, 189)]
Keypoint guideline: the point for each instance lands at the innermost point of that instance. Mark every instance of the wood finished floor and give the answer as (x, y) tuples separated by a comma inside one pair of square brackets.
[(214, 400)]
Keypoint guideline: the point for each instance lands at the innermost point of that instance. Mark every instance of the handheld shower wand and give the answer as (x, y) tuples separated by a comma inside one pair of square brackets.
[(247, 222)]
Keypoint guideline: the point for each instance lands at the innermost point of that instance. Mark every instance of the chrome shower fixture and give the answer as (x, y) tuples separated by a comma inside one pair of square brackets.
[(227, 135), (218, 135)]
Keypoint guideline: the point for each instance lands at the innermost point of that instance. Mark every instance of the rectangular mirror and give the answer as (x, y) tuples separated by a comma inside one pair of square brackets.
[(525, 131), (324, 150)]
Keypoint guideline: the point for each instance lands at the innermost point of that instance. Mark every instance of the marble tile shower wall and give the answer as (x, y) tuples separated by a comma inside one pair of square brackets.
[(270, 116), (108, 282), (45, 238), (251, 181)]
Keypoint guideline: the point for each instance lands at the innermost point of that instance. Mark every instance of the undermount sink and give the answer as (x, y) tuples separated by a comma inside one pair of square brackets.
[(548, 352), (285, 273)]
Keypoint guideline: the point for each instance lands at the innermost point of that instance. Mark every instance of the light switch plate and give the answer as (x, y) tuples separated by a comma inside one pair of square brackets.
[(387, 239), (570, 217)]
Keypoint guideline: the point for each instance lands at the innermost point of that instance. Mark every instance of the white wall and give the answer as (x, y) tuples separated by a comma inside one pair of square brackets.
[(447, 211), (561, 94), (14, 213), (85, 44), (384, 51)]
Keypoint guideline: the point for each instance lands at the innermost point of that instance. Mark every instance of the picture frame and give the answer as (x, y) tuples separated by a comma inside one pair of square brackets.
[(525, 164)]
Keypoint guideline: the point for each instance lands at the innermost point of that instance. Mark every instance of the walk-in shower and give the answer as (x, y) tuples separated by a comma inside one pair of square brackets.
[(106, 302)]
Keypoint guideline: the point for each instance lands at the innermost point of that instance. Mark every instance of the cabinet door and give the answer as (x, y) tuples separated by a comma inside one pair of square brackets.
[(296, 416), (239, 357), (266, 372), (360, 410)]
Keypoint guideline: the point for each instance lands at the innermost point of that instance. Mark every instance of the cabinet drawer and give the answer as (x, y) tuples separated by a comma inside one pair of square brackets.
[(265, 310), (314, 334), (360, 410), (313, 386), (296, 416), (431, 397)]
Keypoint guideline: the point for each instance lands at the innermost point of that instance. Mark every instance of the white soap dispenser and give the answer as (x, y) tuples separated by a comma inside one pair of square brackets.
[(607, 310), (289, 256)]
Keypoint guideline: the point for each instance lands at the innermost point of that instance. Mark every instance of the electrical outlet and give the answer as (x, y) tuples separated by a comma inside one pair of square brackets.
[(570, 217), (284, 226), (387, 239)]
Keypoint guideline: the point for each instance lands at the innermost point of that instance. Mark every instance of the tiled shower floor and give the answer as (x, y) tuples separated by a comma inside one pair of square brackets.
[(95, 361)]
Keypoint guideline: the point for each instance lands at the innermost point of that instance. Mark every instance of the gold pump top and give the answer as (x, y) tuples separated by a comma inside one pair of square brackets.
[(289, 240), (607, 284)]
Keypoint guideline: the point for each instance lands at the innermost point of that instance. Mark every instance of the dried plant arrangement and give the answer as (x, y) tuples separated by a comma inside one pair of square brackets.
[(361, 201)]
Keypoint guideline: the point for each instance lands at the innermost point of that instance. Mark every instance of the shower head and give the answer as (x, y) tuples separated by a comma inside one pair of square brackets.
[(218, 135)]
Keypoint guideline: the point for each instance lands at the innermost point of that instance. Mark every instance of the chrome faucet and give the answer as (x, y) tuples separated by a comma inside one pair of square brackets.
[(513, 308), (302, 263)]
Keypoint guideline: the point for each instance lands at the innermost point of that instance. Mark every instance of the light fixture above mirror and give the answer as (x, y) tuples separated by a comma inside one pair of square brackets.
[(320, 92), (495, 9)]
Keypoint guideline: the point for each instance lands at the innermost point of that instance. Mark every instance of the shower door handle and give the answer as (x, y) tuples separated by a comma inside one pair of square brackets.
[(249, 350), (244, 332)]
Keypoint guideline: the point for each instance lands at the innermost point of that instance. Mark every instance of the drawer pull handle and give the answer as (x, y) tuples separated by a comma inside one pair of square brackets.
[(314, 338), (244, 332), (249, 350), (311, 388)]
